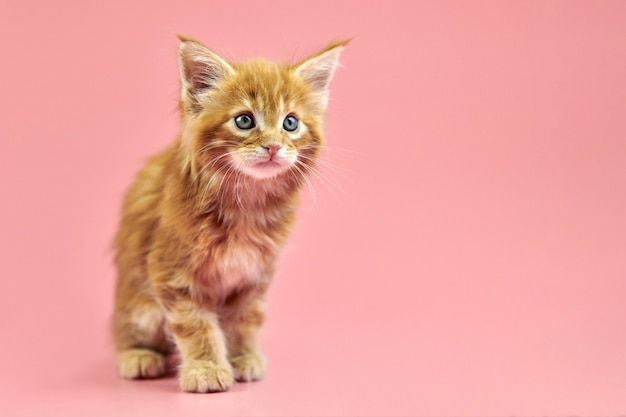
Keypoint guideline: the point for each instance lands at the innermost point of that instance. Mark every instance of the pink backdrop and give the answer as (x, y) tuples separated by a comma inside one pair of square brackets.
[(473, 262)]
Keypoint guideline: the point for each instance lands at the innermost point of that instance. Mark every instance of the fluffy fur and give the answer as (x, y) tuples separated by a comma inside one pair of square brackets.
[(203, 223)]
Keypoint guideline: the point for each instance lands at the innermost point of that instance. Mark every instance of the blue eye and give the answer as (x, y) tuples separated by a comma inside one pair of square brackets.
[(290, 124), (244, 121)]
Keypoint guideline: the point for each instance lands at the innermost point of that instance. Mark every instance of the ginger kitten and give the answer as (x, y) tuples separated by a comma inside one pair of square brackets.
[(204, 221)]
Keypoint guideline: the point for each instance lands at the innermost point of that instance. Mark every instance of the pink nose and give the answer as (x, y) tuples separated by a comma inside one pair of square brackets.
[(272, 149)]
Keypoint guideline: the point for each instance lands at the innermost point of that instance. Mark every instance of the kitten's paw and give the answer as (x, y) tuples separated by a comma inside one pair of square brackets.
[(248, 366), (205, 376), (140, 363)]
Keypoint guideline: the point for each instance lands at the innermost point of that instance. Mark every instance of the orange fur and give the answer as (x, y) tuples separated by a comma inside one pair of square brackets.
[(204, 221)]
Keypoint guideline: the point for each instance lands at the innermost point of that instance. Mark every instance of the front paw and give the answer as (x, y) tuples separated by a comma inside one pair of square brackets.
[(248, 366), (205, 376), (140, 363)]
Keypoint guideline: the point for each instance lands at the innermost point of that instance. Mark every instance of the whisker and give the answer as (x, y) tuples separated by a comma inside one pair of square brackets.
[(213, 145), (322, 179), (226, 178), (237, 198), (322, 175), (326, 164), (204, 168), (216, 177), (308, 183)]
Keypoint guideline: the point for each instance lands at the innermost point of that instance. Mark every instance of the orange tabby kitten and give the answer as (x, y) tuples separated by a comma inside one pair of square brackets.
[(203, 222)]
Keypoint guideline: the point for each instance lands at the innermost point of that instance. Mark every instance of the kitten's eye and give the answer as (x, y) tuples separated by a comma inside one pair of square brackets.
[(244, 121), (290, 124)]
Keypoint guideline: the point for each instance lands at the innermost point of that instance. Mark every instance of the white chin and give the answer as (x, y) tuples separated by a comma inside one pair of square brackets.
[(265, 170)]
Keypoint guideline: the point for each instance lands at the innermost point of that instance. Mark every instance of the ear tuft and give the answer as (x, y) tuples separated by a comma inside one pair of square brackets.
[(319, 68), (200, 70)]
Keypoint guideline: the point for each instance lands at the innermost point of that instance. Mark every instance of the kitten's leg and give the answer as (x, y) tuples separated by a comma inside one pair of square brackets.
[(243, 319), (196, 330), (141, 343)]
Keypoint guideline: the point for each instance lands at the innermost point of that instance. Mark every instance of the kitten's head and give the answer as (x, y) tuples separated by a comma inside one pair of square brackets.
[(256, 118)]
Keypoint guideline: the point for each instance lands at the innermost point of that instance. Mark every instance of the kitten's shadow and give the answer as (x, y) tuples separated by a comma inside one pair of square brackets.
[(100, 375)]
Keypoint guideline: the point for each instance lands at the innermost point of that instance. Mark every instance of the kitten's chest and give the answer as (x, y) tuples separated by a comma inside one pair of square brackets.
[(237, 256)]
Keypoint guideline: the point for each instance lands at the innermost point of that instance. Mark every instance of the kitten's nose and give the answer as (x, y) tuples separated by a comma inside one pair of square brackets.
[(272, 149)]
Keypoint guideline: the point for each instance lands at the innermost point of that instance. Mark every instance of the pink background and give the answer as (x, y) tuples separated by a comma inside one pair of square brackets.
[(473, 262)]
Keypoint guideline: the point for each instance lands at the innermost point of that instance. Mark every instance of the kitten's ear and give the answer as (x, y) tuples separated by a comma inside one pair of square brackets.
[(318, 69), (200, 70)]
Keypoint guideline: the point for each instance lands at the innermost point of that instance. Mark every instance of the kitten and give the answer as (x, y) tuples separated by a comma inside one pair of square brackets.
[(203, 222)]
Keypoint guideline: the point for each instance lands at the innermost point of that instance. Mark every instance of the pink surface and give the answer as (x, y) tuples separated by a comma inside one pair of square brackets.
[(473, 263)]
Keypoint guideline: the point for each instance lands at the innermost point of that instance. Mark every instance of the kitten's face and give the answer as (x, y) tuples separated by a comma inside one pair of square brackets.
[(256, 118), (262, 121)]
